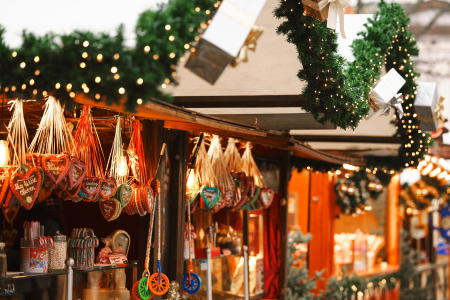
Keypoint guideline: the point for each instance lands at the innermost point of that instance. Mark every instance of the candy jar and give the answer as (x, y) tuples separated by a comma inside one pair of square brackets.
[(58, 252)]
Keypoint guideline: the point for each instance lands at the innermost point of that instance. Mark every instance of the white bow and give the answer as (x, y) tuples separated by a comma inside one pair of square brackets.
[(336, 9), (395, 102)]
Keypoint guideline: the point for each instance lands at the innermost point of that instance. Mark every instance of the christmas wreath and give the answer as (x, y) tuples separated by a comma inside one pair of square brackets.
[(338, 91)]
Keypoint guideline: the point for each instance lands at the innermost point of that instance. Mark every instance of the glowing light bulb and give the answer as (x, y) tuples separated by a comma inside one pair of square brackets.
[(190, 181), (4, 153), (123, 166)]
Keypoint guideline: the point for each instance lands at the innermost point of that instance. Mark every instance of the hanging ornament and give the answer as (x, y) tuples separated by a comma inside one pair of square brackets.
[(232, 156), (18, 129), (52, 136), (90, 152), (249, 167), (221, 171), (117, 163)]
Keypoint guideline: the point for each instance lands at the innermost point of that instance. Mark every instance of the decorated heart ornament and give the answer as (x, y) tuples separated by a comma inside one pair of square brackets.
[(210, 195), (4, 183), (219, 205), (55, 166), (73, 191), (124, 193), (107, 188), (25, 187), (245, 185), (266, 197), (251, 187), (10, 212), (110, 208), (251, 200), (77, 172), (90, 185), (228, 197), (237, 192), (242, 202)]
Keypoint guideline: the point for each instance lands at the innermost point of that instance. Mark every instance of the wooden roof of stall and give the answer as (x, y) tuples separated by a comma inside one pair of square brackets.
[(175, 117)]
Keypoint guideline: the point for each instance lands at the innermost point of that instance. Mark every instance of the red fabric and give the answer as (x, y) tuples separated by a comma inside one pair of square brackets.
[(272, 240)]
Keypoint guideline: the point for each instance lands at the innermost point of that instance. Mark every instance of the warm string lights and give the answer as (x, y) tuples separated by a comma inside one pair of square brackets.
[(107, 68)]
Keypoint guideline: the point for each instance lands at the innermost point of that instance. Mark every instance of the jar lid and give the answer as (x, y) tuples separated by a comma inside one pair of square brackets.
[(58, 237)]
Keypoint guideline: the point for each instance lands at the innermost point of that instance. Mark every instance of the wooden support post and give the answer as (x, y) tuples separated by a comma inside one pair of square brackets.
[(149, 140), (284, 191), (178, 155)]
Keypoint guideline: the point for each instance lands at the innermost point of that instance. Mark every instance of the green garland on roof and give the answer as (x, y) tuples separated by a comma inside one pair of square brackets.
[(338, 91), (52, 62)]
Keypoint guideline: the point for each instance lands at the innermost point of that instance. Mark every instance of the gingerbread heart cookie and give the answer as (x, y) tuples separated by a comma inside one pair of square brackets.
[(110, 208), (107, 188), (77, 172), (55, 166), (25, 187)]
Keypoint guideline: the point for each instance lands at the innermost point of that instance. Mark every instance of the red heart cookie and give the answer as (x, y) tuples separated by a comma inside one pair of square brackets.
[(77, 172), (25, 187), (266, 197), (90, 185), (110, 208), (55, 166), (107, 188), (73, 191), (228, 198)]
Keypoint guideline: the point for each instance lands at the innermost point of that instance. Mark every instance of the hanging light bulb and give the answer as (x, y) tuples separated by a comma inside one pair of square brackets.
[(190, 181), (123, 166), (4, 146)]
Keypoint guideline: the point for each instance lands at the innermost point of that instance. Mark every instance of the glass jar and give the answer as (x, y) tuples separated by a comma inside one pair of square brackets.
[(58, 252), (2, 260)]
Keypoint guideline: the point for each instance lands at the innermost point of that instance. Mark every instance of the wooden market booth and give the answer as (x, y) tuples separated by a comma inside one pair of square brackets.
[(157, 118)]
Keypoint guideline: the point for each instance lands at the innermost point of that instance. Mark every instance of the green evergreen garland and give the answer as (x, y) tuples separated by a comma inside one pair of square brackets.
[(340, 90), (51, 62)]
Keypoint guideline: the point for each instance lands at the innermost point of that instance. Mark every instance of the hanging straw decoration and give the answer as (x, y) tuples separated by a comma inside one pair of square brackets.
[(136, 154), (218, 164), (117, 163), (18, 131), (203, 171), (89, 148), (250, 168), (232, 156), (52, 135)]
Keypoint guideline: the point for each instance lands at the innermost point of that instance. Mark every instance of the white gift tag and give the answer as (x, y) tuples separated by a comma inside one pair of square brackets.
[(203, 265)]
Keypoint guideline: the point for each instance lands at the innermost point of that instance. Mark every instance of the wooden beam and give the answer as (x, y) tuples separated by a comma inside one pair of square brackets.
[(239, 101), (298, 121), (348, 139)]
